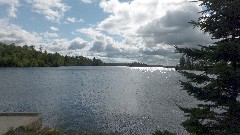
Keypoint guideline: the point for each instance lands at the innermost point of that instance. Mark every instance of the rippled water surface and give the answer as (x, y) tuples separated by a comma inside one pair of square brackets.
[(112, 99)]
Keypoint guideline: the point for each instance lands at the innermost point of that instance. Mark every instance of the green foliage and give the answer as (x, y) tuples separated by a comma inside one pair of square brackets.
[(220, 18), (27, 56), (165, 132), (218, 85)]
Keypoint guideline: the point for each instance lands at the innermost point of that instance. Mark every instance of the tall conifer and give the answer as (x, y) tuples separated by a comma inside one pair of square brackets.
[(217, 87)]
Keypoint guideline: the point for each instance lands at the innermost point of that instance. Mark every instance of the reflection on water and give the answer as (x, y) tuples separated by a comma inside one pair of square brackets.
[(153, 69), (136, 100)]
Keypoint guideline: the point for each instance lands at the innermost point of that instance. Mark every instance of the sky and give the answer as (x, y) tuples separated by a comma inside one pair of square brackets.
[(111, 30)]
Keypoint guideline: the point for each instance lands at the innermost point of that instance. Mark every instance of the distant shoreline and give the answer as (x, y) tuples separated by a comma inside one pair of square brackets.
[(94, 66), (155, 66), (136, 64)]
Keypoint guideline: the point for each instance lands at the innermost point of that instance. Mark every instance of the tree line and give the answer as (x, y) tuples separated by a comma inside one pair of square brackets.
[(26, 56)]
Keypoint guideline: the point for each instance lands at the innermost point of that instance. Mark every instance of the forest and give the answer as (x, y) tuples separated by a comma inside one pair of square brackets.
[(26, 56)]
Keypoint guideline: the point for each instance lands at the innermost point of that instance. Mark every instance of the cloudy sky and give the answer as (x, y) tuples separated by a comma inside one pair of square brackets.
[(112, 30)]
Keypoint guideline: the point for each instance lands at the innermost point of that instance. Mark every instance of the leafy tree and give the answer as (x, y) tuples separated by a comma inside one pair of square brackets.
[(218, 85)]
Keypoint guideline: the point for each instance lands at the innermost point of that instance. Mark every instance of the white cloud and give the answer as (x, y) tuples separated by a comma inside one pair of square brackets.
[(110, 50), (173, 28), (77, 43), (49, 35), (126, 17), (87, 1), (147, 27), (75, 47), (52, 10), (96, 35), (58, 45), (80, 20), (73, 20), (98, 47), (10, 33), (13, 6), (54, 28)]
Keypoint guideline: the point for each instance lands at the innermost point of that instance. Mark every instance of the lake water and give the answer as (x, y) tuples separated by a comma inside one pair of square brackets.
[(112, 99)]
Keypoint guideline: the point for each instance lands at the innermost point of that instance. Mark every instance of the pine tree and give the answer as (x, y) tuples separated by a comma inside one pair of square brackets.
[(217, 87), (182, 62), (188, 63)]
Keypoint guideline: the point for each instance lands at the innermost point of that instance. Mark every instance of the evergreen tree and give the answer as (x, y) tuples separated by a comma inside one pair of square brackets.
[(96, 62), (182, 62), (188, 63), (218, 86)]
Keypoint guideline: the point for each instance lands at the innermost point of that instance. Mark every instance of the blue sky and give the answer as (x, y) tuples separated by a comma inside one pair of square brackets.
[(112, 30)]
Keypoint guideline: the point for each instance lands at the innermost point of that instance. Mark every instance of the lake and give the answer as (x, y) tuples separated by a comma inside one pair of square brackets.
[(130, 100)]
